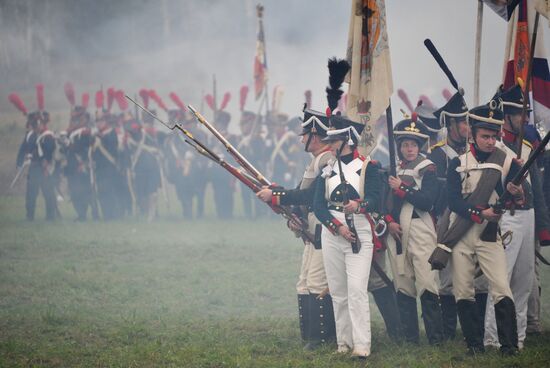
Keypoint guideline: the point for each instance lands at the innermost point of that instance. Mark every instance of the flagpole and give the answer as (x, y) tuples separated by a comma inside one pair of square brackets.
[(477, 62)]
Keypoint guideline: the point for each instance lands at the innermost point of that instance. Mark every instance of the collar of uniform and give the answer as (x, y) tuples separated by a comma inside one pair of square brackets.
[(480, 156), (508, 136)]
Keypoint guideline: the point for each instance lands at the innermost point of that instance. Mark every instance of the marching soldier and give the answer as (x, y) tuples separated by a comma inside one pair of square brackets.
[(253, 146), (77, 169), (40, 145), (523, 221), (105, 155), (184, 166), (453, 117), (475, 180), (146, 181), (223, 192), (412, 237)]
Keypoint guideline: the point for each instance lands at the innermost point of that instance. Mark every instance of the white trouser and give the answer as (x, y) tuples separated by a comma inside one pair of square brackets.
[(520, 257), (348, 277), (312, 277)]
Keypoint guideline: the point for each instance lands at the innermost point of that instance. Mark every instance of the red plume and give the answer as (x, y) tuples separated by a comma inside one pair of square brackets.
[(99, 100), (69, 92), (403, 96), (144, 94), (110, 97), (210, 102), (307, 94), (414, 116), (426, 101), (40, 96), (243, 95), (447, 94), (174, 97), (225, 101), (328, 112), (17, 102), (121, 100), (157, 99), (85, 100)]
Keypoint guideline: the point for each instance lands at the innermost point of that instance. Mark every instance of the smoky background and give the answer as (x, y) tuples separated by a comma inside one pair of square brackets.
[(178, 45)]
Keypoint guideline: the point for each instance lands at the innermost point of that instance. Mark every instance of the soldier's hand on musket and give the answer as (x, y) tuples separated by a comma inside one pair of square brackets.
[(395, 230), (346, 233), (292, 225), (490, 215), (515, 190), (351, 207), (265, 194), (394, 182)]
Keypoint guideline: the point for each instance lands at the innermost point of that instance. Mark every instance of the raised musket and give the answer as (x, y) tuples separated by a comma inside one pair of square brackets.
[(250, 181), (520, 176)]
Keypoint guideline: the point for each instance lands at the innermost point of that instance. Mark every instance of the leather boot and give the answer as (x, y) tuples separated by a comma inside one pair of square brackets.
[(431, 314), (303, 314), (409, 317), (448, 315), (505, 315), (481, 302), (322, 328), (471, 325), (387, 305)]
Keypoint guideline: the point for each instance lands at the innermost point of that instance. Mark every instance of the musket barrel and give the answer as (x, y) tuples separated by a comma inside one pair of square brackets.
[(232, 150)]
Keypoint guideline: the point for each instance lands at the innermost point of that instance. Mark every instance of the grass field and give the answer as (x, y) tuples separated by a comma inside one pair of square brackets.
[(175, 294)]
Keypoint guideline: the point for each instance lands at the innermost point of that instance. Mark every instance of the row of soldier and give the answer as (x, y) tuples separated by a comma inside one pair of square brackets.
[(448, 241), (116, 164)]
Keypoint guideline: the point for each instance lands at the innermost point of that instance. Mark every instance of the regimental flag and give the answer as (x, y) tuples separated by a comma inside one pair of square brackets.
[(260, 61), (520, 31), (370, 76)]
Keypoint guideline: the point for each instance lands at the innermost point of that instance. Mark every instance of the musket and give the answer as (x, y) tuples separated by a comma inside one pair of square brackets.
[(230, 149), (393, 168), (241, 160), (19, 172), (244, 177), (93, 184), (356, 244), (520, 176)]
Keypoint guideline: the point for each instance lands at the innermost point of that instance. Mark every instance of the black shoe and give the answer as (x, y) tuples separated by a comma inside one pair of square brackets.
[(409, 317), (387, 305), (431, 314), (505, 315), (448, 315)]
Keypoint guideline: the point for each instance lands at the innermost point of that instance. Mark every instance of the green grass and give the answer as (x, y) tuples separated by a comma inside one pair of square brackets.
[(175, 294)]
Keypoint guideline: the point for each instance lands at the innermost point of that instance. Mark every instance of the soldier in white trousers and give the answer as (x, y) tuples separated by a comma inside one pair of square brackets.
[(347, 268), (521, 222)]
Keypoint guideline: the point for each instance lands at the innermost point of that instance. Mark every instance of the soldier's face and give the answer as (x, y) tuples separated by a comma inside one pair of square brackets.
[(486, 139), (409, 149)]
